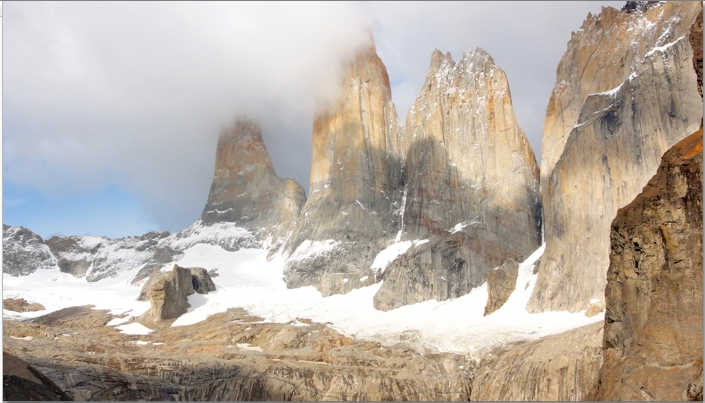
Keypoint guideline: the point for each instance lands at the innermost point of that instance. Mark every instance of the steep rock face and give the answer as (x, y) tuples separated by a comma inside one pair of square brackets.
[(246, 190), (23, 252), (168, 292), (501, 283), (561, 367), (653, 345), (356, 174), (471, 183), (626, 91)]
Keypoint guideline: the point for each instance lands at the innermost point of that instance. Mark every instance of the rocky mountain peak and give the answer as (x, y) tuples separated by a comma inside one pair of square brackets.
[(471, 188), (355, 175), (246, 189)]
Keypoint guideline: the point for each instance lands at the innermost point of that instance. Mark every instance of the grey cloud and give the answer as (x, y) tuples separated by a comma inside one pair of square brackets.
[(135, 93)]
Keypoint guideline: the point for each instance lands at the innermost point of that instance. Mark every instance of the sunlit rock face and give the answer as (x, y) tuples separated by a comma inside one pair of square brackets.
[(246, 190), (626, 90), (472, 184), (356, 174), (653, 345)]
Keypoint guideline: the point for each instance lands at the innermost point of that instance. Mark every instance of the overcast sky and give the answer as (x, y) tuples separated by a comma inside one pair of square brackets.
[(111, 111)]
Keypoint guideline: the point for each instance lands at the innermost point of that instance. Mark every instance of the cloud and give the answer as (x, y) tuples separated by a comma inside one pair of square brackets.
[(134, 95)]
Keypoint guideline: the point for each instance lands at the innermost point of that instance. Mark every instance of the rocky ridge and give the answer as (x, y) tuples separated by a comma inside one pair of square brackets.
[(97, 258), (626, 91)]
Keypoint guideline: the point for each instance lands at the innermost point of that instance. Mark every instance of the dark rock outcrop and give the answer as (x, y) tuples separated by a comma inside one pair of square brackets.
[(246, 190), (23, 382), (626, 91), (501, 283), (653, 344)]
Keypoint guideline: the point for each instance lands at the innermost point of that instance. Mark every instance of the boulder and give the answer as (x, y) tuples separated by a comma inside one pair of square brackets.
[(168, 293)]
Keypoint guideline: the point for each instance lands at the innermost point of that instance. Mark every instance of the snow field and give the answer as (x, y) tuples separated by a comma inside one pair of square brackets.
[(247, 280)]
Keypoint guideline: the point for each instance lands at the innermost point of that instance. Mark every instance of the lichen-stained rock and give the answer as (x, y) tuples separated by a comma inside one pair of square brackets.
[(355, 182), (561, 367), (653, 345), (471, 183), (626, 91), (168, 293), (24, 251), (246, 190), (501, 283)]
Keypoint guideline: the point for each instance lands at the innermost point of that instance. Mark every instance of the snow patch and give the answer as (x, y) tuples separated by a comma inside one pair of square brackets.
[(309, 249), (391, 252), (134, 328), (663, 48)]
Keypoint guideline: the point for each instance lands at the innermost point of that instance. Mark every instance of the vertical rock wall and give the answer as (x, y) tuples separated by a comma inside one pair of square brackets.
[(472, 184), (653, 345), (626, 91)]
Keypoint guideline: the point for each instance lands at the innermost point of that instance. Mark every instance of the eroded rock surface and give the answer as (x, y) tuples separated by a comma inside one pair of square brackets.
[(560, 367), (168, 293), (626, 91), (653, 345), (21, 305), (229, 356), (22, 382)]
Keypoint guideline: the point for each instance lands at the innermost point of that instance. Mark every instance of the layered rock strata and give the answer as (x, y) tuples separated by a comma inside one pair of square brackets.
[(230, 356), (561, 367), (471, 184), (246, 189), (356, 177), (653, 344), (626, 91)]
